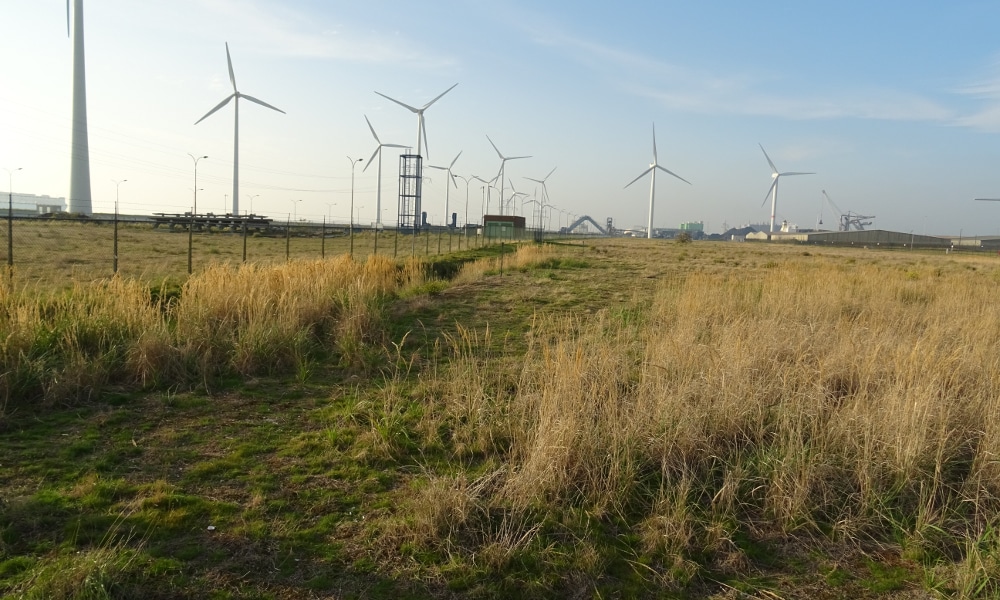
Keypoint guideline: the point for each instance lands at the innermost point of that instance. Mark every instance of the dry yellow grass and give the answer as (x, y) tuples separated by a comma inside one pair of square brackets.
[(246, 319), (807, 396)]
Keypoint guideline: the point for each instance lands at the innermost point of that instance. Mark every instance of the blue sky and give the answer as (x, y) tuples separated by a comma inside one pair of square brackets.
[(895, 105)]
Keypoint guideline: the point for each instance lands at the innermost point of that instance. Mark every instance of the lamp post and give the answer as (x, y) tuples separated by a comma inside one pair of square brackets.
[(354, 163), (295, 209), (114, 260), (196, 159), (10, 219), (252, 196)]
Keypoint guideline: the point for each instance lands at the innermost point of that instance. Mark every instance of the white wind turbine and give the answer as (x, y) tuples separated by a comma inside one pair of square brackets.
[(773, 192), (79, 166), (652, 183), (236, 95), (503, 163), (378, 151), (545, 189), (447, 193), (421, 129)]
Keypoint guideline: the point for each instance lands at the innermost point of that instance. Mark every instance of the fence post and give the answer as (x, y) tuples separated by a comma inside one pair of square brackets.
[(376, 238), (10, 232), (114, 260), (501, 257), (288, 238), (427, 244), (439, 242), (190, 240), (395, 244)]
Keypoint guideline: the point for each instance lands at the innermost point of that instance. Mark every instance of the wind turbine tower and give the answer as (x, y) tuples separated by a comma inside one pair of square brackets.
[(378, 151), (773, 192), (503, 163), (236, 95), (79, 169), (652, 183), (447, 187), (411, 167)]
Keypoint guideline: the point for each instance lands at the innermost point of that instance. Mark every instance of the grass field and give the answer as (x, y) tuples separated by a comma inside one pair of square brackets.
[(615, 418), (57, 252)]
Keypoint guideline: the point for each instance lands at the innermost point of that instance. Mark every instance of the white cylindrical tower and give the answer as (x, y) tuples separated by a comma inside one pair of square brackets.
[(79, 173)]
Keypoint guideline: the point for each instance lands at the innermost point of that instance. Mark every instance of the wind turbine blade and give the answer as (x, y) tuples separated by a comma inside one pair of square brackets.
[(217, 107), (654, 143), (439, 97), (377, 148), (406, 106), (262, 103), (67, 18), (550, 174), (674, 174), (423, 128), (456, 157), (773, 184), (987, 199), (795, 173), (516, 157), (229, 61), (639, 177), (453, 179), (437, 167), (495, 148), (375, 135), (774, 169), (393, 146), (535, 180)]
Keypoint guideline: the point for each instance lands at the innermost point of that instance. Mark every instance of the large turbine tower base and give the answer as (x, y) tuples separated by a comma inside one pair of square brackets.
[(410, 188), (79, 171)]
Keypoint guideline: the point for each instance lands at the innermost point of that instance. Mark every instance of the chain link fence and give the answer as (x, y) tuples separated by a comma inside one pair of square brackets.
[(59, 251)]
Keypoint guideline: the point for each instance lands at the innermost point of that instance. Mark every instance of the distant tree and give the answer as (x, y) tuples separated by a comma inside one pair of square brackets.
[(683, 238)]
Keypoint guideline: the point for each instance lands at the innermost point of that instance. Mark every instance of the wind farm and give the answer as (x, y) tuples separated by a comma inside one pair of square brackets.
[(258, 365)]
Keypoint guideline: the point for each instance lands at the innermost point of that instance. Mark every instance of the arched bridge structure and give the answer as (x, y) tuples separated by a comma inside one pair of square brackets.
[(581, 220)]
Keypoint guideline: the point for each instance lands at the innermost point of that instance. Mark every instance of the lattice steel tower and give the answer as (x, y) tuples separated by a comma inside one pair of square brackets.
[(410, 186)]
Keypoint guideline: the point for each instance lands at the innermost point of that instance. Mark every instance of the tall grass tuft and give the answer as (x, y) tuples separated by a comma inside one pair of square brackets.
[(246, 320), (857, 402)]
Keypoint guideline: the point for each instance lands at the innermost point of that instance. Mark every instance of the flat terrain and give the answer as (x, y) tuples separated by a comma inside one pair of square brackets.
[(48, 251), (524, 435)]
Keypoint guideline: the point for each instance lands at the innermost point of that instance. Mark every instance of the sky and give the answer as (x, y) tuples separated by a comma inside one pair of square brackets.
[(895, 105)]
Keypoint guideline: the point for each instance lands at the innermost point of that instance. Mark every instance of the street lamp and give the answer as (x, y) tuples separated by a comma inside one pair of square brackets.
[(329, 210), (354, 163), (114, 260), (195, 159), (252, 196), (10, 218), (295, 209)]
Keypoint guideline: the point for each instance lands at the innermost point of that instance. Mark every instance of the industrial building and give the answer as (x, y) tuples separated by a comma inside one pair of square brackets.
[(878, 238)]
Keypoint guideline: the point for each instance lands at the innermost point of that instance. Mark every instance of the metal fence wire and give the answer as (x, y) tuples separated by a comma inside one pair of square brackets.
[(62, 249)]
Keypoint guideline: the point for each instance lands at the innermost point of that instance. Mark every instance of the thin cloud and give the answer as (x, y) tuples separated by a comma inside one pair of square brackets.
[(987, 92), (685, 89), (283, 31)]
